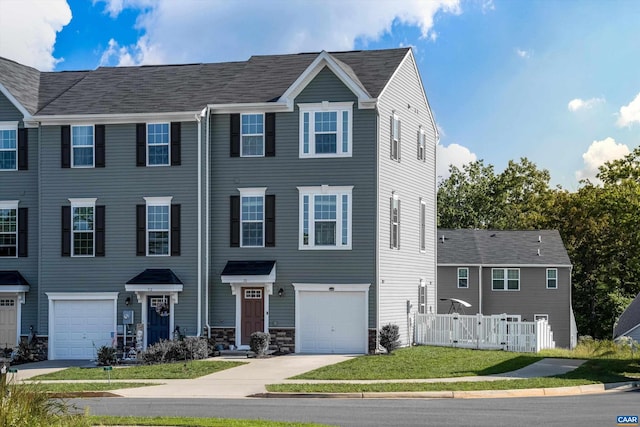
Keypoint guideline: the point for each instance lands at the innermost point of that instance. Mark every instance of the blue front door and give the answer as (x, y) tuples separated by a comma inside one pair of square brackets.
[(157, 319)]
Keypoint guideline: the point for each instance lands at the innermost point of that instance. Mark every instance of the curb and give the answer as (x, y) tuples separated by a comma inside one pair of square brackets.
[(525, 392)]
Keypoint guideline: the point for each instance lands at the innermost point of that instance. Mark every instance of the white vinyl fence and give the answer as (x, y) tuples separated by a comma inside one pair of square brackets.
[(483, 332)]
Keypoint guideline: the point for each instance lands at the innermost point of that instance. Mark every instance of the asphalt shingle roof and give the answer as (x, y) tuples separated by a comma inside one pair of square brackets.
[(629, 319), (501, 247), (189, 87)]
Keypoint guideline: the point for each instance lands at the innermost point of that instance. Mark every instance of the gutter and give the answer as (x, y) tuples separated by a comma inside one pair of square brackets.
[(207, 148), (199, 120)]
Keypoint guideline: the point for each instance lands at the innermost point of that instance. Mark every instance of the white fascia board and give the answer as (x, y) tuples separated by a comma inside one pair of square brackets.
[(153, 288), (184, 116), (26, 115), (249, 107), (322, 60), (332, 287), (82, 296), (463, 264), (13, 289), (424, 94)]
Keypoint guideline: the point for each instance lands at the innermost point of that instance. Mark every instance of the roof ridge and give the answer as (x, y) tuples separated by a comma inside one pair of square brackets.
[(59, 94)]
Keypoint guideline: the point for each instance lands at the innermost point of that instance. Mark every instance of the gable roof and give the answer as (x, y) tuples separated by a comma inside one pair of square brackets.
[(629, 319), (501, 247), (184, 88)]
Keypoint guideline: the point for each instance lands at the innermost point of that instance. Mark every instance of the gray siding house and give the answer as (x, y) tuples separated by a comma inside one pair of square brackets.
[(292, 194), (526, 274), (628, 324)]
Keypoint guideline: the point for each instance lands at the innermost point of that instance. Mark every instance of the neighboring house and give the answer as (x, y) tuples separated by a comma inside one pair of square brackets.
[(526, 274), (293, 194), (628, 324)]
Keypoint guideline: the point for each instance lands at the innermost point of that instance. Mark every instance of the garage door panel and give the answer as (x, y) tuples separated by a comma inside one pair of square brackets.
[(81, 327)]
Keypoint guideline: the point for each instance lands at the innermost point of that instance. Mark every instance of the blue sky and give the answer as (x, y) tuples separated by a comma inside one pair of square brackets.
[(554, 81)]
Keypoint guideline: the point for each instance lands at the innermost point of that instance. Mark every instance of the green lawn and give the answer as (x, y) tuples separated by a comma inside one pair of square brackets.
[(180, 370), (423, 362), (80, 387), (191, 422)]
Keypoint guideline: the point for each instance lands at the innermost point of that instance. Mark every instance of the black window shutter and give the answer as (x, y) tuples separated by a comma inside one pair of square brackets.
[(23, 232), (175, 230), (392, 242), (399, 226), (399, 138), (141, 230), (235, 135), (66, 231), (65, 146), (235, 222), (100, 230), (176, 155), (100, 155), (141, 144), (270, 221), (270, 135), (23, 149)]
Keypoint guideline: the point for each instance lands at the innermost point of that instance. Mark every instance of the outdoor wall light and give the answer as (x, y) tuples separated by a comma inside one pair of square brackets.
[(280, 292), (127, 302)]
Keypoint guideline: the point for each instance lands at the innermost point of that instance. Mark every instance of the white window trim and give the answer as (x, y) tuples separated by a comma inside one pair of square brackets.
[(83, 203), (157, 201), (12, 204), (505, 280), (422, 235), (263, 134), (253, 192), (422, 144), (547, 278), (14, 127), (422, 297), (396, 141), (93, 146), (338, 191), (326, 106), (459, 277), (168, 143)]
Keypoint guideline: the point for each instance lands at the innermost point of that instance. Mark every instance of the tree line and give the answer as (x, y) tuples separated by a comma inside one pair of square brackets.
[(599, 225)]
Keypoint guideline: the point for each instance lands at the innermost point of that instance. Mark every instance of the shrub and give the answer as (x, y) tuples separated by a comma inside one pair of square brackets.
[(165, 351), (106, 356), (390, 337), (260, 343), (196, 348), (26, 353)]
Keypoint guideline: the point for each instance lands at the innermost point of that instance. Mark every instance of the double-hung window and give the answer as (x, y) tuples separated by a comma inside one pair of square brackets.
[(395, 222), (325, 217), (83, 227), (505, 279), (423, 226), (9, 229), (252, 216), (422, 145), (82, 142), (8, 146), (463, 277), (552, 278), (422, 297), (252, 135), (158, 144), (158, 225), (395, 137), (325, 129)]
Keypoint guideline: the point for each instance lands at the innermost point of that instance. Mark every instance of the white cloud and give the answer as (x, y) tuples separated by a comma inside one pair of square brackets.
[(598, 153), (578, 104), (453, 154), (28, 30), (523, 53), (184, 31), (630, 113)]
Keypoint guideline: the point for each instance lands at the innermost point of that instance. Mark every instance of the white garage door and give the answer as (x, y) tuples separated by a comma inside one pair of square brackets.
[(332, 322), (80, 327)]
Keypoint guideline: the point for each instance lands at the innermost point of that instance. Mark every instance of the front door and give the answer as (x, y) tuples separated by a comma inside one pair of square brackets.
[(252, 313), (158, 313), (8, 322)]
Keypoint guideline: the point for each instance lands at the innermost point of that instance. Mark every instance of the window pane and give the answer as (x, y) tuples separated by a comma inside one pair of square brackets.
[(252, 234), (326, 132), (159, 155), (463, 273), (305, 220), (159, 243), (82, 136), (551, 274), (325, 233), (252, 145), (325, 143), (7, 139), (345, 219), (8, 159), (83, 156), (158, 217), (252, 124), (8, 234), (345, 131), (158, 143), (325, 207), (83, 219), (7, 220), (83, 243), (305, 147), (252, 214), (326, 121), (252, 208)]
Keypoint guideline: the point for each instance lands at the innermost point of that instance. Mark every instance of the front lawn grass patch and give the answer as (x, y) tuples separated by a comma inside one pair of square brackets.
[(180, 370), (80, 387), (424, 362), (192, 422)]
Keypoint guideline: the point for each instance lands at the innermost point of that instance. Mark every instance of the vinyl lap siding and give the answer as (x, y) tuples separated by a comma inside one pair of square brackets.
[(282, 175), (120, 186), (8, 111), (412, 179), (448, 288)]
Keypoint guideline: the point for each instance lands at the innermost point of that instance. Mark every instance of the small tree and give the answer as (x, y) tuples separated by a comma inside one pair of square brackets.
[(390, 337), (260, 343)]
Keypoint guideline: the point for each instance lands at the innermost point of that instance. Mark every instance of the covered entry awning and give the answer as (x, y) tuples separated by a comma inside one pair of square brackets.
[(12, 282), (155, 280), (249, 272)]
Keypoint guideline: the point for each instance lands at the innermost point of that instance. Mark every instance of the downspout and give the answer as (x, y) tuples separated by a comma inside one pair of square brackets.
[(207, 161), (39, 171), (479, 289), (198, 119), (377, 256)]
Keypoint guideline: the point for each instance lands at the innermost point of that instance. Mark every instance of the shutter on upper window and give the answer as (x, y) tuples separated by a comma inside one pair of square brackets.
[(270, 220), (66, 231), (23, 149), (23, 232), (235, 135), (391, 231), (100, 146), (392, 153), (175, 230), (141, 230), (65, 146), (141, 144), (176, 155), (398, 222), (270, 135), (100, 236), (399, 139), (234, 222)]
